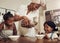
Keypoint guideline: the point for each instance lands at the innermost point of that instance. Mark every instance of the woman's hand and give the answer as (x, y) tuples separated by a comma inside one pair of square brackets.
[(17, 17)]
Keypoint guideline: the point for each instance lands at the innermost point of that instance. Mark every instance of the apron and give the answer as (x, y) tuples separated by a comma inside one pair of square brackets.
[(6, 32), (31, 32)]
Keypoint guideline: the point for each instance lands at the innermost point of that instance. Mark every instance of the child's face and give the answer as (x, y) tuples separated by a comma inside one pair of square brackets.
[(10, 21), (47, 28)]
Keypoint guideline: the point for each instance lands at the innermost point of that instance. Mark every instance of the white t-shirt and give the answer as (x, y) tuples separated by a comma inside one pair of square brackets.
[(22, 11), (54, 35)]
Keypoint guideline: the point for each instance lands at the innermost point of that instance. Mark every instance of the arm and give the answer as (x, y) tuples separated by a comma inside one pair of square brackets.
[(14, 30), (18, 17), (43, 5), (1, 26)]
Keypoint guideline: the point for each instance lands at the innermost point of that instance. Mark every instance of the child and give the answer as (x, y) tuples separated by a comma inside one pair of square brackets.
[(7, 27), (50, 29)]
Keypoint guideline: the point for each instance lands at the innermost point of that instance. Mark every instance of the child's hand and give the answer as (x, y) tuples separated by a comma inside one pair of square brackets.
[(46, 37)]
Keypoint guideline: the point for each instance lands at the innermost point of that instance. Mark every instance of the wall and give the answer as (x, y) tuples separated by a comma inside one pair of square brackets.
[(12, 4), (53, 4)]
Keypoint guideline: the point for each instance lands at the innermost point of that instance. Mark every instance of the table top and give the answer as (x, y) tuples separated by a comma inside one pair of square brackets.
[(29, 40)]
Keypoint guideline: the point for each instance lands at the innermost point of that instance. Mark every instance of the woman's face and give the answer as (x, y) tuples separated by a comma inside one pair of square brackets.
[(33, 6), (10, 21), (47, 28)]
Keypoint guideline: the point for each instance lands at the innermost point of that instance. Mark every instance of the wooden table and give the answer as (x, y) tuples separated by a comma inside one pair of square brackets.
[(29, 40)]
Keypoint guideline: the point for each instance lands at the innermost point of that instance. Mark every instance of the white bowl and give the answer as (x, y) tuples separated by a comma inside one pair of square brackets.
[(40, 36), (14, 38)]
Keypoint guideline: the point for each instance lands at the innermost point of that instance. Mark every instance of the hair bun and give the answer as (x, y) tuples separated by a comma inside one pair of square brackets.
[(9, 12)]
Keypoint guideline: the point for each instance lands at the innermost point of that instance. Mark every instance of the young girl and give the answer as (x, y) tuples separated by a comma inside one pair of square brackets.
[(7, 27), (50, 29)]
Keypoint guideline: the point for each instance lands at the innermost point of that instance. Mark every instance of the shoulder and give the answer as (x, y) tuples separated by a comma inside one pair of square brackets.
[(55, 35), (1, 24), (14, 24)]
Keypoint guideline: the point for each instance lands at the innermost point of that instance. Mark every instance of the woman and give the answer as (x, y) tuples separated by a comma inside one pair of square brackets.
[(31, 12)]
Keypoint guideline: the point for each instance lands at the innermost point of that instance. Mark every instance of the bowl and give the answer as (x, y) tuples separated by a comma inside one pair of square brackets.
[(40, 36), (14, 38)]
